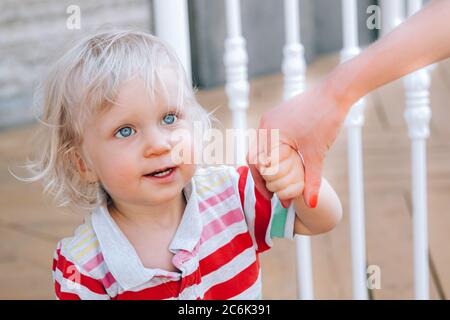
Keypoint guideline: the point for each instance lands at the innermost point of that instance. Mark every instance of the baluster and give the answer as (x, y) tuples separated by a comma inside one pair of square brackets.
[(294, 82), (354, 123), (172, 25), (293, 52), (237, 86), (417, 115), (392, 12)]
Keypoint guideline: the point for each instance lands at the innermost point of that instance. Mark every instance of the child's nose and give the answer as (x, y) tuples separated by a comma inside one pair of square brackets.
[(156, 143)]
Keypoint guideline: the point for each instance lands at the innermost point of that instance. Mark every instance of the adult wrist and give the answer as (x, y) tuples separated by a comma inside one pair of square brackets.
[(339, 85)]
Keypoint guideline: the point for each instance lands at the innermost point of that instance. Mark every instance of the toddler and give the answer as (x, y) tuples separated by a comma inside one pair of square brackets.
[(157, 228)]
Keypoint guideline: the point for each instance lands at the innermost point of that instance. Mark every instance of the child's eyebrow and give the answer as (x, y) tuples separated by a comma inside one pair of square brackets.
[(112, 120), (117, 115)]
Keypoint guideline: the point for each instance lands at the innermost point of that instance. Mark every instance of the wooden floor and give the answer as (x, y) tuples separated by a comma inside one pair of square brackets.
[(30, 226)]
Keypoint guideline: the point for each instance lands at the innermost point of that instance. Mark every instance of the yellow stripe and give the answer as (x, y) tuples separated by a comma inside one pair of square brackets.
[(83, 241), (83, 252), (202, 188), (210, 181), (84, 229)]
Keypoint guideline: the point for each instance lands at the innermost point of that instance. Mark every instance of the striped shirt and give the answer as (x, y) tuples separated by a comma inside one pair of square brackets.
[(227, 223)]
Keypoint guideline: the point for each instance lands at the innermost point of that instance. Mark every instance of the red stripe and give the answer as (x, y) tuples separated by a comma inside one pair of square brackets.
[(193, 279), (69, 271), (236, 285), (54, 264), (64, 295), (243, 172), (263, 209), (226, 253), (162, 291)]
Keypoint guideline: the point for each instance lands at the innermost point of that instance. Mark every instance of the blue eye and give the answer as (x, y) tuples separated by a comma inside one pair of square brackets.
[(170, 118), (124, 132)]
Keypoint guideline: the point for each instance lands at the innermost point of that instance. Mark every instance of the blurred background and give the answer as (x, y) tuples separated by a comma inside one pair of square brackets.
[(34, 32)]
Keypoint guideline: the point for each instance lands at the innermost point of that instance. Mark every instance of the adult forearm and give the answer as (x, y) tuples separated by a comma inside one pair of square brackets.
[(421, 40)]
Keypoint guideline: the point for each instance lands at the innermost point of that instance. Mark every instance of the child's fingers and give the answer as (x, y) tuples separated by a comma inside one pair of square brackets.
[(276, 171), (279, 154), (256, 154), (280, 184), (292, 191)]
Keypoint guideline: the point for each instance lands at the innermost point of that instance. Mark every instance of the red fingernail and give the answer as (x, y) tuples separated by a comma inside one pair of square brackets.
[(313, 201)]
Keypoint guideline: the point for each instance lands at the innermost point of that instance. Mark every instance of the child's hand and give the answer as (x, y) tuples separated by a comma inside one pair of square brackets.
[(285, 175)]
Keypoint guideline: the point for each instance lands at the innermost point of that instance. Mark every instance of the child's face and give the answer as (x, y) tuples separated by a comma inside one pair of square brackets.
[(133, 139)]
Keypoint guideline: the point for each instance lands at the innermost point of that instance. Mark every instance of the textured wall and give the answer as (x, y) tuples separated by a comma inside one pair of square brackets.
[(34, 32)]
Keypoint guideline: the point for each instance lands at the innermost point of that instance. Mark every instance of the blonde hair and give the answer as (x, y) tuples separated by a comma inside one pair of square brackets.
[(86, 80)]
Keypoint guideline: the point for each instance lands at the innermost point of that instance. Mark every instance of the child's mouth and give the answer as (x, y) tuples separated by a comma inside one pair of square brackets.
[(162, 174)]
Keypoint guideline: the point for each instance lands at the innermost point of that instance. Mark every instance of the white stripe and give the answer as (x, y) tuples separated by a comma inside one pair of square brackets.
[(113, 290), (290, 221), (249, 205), (222, 238), (220, 209), (189, 293), (72, 287), (190, 266)]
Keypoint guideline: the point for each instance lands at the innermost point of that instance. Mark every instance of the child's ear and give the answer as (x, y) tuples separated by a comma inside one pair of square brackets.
[(83, 168)]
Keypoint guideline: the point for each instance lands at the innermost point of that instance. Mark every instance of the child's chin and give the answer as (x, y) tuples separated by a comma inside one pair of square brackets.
[(161, 196)]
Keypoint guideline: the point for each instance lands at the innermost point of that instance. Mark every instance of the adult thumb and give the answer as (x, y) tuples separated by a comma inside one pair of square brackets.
[(313, 178)]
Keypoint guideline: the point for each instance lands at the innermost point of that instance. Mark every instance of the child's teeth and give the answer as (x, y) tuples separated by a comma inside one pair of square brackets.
[(163, 173)]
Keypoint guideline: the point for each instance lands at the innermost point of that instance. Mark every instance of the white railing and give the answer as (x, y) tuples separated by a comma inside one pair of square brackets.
[(417, 116), (354, 123), (294, 68), (172, 25), (237, 86)]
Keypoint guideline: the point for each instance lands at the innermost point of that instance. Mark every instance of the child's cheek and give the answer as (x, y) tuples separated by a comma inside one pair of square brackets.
[(118, 172), (183, 149)]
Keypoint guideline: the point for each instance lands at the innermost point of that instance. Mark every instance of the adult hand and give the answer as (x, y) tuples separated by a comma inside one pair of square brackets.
[(309, 123)]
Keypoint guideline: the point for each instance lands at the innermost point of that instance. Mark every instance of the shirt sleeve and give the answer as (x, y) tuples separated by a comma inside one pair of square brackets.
[(266, 219), (71, 282)]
